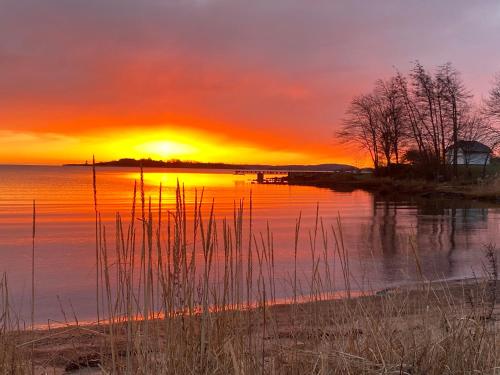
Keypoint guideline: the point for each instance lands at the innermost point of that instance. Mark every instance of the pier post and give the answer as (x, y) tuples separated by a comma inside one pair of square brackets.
[(260, 177)]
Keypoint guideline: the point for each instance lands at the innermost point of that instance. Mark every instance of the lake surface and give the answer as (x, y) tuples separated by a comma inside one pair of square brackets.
[(382, 237)]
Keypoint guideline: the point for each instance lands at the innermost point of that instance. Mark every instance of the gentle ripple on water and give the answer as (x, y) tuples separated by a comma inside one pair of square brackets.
[(448, 235)]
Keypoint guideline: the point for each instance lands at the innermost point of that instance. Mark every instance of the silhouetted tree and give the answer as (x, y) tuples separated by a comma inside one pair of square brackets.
[(411, 115), (453, 94), (424, 112), (476, 126), (492, 107), (424, 103), (360, 126), (438, 101), (389, 108), (375, 122)]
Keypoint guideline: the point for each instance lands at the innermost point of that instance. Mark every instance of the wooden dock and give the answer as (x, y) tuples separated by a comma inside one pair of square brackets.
[(284, 175)]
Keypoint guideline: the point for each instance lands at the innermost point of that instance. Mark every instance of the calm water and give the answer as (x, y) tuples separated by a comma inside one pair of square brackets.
[(449, 236)]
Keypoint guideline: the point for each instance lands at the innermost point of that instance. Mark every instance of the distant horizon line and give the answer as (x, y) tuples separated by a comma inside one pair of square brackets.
[(61, 164)]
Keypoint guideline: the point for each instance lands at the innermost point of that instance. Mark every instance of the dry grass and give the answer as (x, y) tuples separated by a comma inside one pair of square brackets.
[(489, 187), (201, 299)]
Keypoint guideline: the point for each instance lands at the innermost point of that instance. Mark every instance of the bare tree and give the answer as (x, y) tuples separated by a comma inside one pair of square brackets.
[(476, 126), (492, 107), (423, 115), (424, 103), (455, 98), (390, 108), (433, 108), (411, 116), (360, 126), (375, 122)]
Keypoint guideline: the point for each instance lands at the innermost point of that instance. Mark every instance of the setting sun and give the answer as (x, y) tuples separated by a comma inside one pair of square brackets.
[(165, 149)]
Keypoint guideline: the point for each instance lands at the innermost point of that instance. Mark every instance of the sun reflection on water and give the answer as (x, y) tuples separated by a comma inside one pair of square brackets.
[(190, 179)]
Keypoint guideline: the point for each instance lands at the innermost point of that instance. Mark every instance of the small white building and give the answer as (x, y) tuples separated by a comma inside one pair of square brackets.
[(469, 153)]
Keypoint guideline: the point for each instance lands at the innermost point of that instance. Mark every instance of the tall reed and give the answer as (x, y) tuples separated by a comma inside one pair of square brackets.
[(33, 282), (94, 188)]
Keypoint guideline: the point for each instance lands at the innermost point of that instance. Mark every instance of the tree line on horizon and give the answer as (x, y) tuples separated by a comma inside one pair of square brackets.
[(419, 117)]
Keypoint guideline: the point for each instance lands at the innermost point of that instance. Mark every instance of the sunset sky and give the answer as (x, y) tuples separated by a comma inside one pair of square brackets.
[(216, 80)]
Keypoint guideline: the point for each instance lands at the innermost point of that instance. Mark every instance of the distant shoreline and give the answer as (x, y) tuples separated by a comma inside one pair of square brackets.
[(148, 163)]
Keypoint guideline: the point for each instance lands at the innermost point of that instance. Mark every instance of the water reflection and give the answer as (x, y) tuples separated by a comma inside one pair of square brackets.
[(383, 235), (218, 178), (438, 234)]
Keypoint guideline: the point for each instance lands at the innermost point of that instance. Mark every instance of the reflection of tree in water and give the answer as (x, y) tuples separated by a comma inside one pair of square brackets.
[(467, 220), (385, 217), (449, 225), (438, 229)]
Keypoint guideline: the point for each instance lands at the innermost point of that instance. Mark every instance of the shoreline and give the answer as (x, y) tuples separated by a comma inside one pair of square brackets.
[(385, 186), (302, 300), (277, 304), (77, 348)]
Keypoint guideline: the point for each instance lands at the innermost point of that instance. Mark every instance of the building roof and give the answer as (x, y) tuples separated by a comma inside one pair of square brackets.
[(471, 147)]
